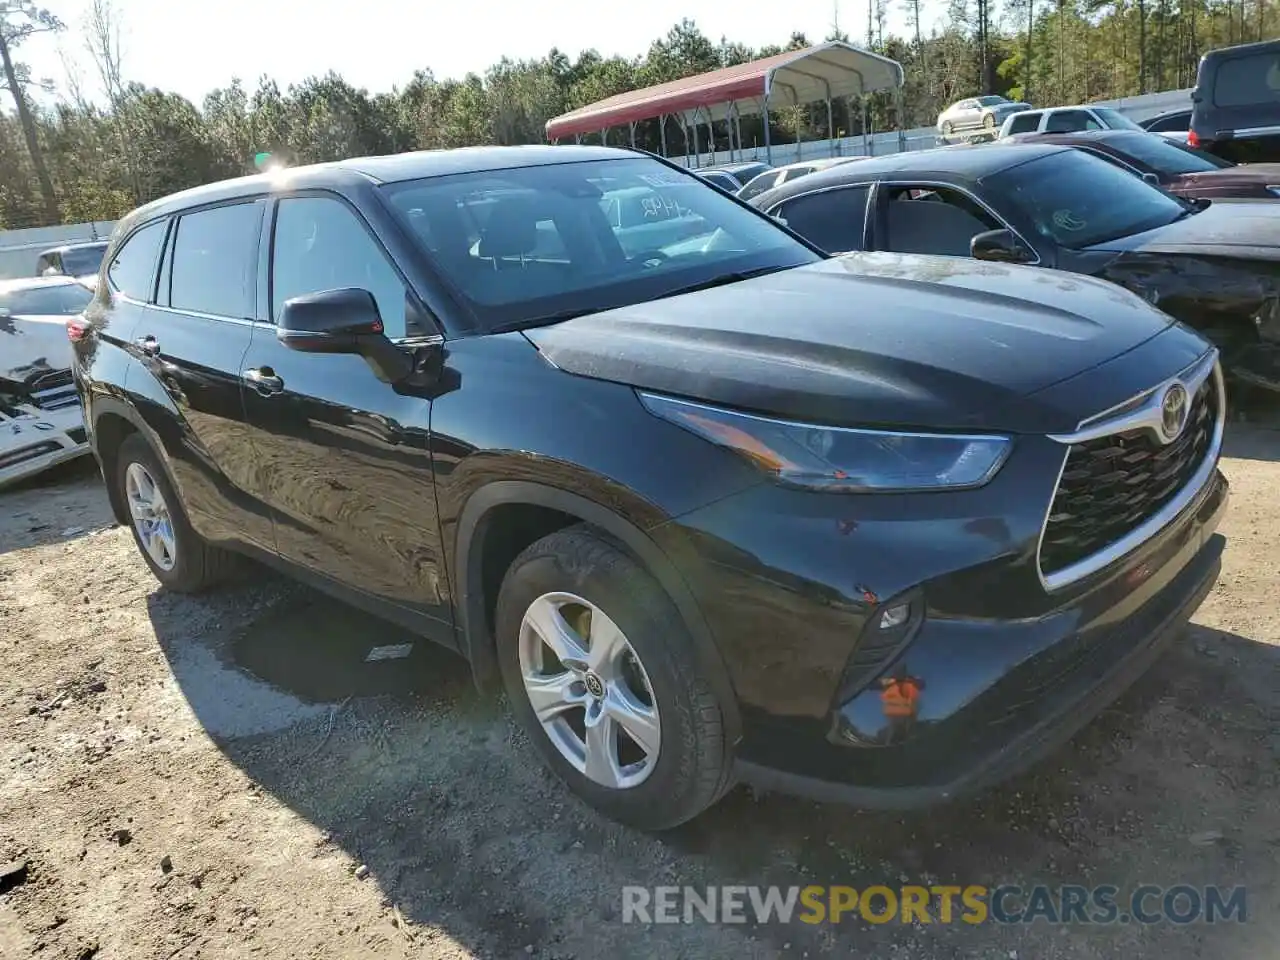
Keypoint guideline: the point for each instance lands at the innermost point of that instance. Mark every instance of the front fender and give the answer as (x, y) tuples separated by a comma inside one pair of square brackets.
[(477, 640)]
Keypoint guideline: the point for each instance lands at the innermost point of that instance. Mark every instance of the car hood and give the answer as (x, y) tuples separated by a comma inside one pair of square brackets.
[(942, 342), (1244, 229), (32, 345)]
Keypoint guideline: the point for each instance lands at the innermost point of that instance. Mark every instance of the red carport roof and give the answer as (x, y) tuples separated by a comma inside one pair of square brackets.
[(811, 74)]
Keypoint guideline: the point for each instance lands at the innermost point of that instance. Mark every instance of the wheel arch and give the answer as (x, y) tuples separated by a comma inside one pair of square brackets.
[(477, 638), (113, 421)]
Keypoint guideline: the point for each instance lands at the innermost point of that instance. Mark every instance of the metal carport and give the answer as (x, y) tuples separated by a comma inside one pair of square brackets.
[(815, 74)]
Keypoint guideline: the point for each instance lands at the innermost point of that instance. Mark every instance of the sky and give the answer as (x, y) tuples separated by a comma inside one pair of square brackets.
[(190, 47)]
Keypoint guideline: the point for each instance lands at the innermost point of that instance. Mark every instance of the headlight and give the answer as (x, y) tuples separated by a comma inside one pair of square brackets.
[(841, 458)]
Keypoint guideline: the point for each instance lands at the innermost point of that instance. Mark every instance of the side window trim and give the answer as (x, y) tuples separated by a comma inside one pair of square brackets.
[(424, 314)]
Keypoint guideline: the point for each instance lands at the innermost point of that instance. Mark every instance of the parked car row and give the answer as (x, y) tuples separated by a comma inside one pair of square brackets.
[(745, 180), (1234, 112), (708, 502), (1211, 265)]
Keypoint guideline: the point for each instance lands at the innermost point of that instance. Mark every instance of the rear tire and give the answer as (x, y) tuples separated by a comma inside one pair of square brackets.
[(176, 554), (989, 121), (948, 128), (668, 740)]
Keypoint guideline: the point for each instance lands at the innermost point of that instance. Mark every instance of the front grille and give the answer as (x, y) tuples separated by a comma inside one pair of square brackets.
[(53, 391), (1111, 485), (55, 380)]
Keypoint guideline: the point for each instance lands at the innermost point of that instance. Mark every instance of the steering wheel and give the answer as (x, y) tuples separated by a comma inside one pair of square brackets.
[(649, 259)]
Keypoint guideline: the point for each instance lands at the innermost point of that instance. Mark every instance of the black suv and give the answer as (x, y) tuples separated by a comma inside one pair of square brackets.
[(1236, 103), (879, 528)]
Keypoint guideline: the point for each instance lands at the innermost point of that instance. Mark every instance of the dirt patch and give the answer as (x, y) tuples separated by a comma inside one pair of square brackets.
[(230, 775)]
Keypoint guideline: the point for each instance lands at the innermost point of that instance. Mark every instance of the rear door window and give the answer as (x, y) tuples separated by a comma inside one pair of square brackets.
[(133, 268), (215, 258), (1245, 81), (832, 220)]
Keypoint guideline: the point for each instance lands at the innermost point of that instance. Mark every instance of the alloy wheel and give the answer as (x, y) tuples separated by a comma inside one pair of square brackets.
[(151, 517), (589, 690)]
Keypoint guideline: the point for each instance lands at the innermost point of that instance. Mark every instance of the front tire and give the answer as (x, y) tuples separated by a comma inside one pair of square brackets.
[(600, 672), (176, 554)]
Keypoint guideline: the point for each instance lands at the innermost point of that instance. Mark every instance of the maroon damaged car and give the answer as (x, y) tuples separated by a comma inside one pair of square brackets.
[(1184, 171)]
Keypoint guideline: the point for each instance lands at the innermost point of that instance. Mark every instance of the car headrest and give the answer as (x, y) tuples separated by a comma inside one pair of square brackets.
[(511, 230)]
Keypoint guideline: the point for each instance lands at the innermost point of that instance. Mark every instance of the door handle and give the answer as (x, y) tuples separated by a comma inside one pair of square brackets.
[(148, 345), (264, 381)]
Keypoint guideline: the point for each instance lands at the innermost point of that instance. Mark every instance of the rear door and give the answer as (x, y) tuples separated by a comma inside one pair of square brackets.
[(190, 344), (343, 458)]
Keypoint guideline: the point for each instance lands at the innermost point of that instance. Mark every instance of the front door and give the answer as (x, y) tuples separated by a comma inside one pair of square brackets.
[(343, 458)]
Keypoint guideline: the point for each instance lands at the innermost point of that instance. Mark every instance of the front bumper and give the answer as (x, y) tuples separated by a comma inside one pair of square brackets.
[(1004, 671), (33, 440)]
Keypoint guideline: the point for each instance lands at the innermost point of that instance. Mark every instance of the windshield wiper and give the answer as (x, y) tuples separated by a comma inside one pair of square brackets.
[(720, 280), (544, 321)]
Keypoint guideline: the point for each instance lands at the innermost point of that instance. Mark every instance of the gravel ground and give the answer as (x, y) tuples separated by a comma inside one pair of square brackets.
[(226, 776)]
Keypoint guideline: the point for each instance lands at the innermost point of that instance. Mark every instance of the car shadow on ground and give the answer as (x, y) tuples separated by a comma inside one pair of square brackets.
[(410, 770)]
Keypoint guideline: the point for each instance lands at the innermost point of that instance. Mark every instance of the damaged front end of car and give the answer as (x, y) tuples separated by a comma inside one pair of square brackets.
[(1233, 302), (41, 420)]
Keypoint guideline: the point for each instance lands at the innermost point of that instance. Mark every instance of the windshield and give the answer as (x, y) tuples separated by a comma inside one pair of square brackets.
[(1077, 200), (1115, 119), (63, 299), (1169, 158), (528, 243)]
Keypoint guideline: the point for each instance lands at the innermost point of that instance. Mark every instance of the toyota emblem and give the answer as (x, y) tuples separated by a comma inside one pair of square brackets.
[(1173, 412)]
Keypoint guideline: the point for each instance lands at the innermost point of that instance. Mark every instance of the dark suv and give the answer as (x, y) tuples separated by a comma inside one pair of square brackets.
[(880, 528), (1236, 103)]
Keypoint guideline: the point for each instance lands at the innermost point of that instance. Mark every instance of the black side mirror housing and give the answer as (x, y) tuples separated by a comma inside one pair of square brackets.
[(1000, 246), (345, 320)]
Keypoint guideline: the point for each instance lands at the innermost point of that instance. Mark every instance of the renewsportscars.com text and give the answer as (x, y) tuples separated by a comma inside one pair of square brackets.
[(973, 904)]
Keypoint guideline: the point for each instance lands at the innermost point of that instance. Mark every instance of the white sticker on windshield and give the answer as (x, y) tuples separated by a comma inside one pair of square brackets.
[(665, 179)]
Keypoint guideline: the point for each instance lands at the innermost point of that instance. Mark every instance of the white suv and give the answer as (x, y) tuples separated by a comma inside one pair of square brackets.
[(1065, 120)]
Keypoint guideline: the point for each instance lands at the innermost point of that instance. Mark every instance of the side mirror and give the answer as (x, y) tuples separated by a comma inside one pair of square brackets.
[(999, 246), (345, 320), (1151, 178)]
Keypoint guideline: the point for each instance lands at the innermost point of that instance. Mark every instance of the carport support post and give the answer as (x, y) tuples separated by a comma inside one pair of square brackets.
[(831, 133), (662, 133), (764, 113), (604, 136), (697, 150), (866, 141), (898, 106), (633, 134)]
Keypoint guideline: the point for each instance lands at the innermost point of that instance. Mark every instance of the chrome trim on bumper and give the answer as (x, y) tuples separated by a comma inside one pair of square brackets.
[(1142, 412)]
